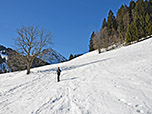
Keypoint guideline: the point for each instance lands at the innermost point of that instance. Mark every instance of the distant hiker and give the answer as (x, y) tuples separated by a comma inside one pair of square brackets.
[(58, 74)]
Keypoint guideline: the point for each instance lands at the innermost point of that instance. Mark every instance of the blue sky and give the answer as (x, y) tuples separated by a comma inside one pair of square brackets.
[(70, 21)]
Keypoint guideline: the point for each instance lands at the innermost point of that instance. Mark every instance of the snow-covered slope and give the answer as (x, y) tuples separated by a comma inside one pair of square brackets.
[(114, 82)]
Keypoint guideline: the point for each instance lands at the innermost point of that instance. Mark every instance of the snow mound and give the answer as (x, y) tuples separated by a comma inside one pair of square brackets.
[(114, 82)]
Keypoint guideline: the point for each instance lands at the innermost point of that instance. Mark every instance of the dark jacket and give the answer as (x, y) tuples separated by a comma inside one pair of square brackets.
[(58, 71)]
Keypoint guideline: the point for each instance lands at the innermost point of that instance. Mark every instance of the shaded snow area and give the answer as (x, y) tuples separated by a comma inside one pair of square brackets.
[(114, 82), (3, 54), (4, 64)]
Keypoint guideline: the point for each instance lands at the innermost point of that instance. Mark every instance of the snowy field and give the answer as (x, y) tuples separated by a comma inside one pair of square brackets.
[(114, 82)]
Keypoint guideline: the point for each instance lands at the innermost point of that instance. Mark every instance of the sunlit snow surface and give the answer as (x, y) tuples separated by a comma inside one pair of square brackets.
[(114, 82)]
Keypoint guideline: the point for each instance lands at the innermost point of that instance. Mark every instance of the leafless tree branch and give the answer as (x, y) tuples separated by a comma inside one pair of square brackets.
[(31, 41)]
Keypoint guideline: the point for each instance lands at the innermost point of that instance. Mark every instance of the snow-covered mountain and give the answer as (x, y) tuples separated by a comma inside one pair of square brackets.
[(3, 60), (7, 58), (113, 82), (53, 57), (56, 57)]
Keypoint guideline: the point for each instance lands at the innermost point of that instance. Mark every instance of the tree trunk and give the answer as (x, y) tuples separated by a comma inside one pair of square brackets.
[(99, 50), (28, 68)]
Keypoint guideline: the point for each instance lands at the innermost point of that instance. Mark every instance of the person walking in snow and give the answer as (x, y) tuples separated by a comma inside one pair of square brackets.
[(58, 74)]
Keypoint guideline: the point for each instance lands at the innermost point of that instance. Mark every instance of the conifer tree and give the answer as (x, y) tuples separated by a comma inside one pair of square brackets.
[(111, 23), (148, 27), (119, 19), (132, 33), (91, 47), (71, 57), (104, 23), (132, 5), (120, 13)]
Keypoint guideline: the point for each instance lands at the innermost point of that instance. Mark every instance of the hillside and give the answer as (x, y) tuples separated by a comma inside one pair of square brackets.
[(131, 23), (9, 62), (114, 82)]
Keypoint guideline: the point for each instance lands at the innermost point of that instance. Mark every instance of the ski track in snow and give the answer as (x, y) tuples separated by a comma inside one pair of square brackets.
[(114, 82)]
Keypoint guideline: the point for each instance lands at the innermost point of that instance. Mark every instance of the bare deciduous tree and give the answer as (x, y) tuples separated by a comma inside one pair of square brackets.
[(31, 42), (97, 41), (105, 38)]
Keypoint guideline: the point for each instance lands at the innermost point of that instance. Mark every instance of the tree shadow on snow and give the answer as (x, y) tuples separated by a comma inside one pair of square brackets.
[(74, 66), (82, 65), (70, 79)]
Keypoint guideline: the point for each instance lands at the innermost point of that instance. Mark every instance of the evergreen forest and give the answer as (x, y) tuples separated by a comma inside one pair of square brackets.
[(131, 23)]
